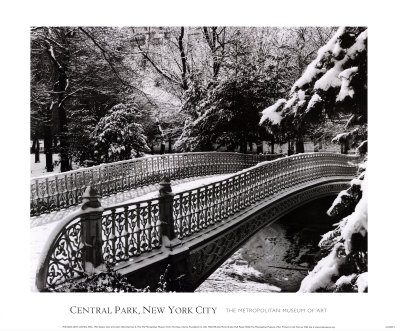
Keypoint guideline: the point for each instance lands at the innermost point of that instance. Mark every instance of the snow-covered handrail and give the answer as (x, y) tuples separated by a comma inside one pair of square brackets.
[(128, 230), (53, 192)]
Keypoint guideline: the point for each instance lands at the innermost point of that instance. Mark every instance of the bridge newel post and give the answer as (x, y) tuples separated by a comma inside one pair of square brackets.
[(91, 237), (166, 199)]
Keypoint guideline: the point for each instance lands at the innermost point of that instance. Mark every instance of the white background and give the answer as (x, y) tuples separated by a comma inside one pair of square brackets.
[(22, 310)]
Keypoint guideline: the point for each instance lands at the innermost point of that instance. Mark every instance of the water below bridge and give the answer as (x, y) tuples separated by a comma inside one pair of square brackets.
[(278, 257)]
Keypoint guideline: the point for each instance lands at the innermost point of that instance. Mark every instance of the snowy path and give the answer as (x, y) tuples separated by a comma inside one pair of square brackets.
[(43, 225)]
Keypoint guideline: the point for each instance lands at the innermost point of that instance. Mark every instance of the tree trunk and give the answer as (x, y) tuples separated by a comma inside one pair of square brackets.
[(344, 148), (243, 148), (162, 148), (60, 90), (273, 145), (170, 145), (37, 151), (48, 149), (299, 145), (65, 162), (289, 148), (183, 59)]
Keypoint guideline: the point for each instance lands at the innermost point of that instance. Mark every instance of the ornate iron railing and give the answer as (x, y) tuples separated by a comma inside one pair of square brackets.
[(62, 190), (126, 231), (65, 255), (199, 208), (130, 230)]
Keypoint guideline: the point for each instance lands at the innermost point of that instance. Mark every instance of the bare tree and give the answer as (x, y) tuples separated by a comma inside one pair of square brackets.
[(216, 40)]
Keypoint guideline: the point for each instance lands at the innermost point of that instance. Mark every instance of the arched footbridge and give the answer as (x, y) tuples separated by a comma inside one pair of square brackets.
[(190, 233)]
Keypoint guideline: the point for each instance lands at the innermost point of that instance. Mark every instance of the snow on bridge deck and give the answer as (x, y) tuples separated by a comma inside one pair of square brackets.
[(43, 225)]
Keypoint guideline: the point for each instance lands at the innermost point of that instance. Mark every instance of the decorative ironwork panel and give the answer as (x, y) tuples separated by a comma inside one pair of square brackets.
[(130, 230), (66, 258)]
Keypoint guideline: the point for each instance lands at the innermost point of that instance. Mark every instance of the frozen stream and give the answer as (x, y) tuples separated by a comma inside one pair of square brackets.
[(278, 257)]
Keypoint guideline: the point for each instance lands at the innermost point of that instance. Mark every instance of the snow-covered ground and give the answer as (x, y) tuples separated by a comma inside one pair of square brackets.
[(39, 169), (43, 225)]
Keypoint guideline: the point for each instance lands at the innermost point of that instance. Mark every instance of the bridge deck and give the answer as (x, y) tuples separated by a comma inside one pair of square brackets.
[(43, 225)]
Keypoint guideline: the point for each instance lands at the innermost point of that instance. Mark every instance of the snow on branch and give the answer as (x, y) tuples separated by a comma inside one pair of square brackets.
[(359, 46), (315, 99), (316, 66), (321, 275), (357, 222), (273, 113), (341, 242), (346, 89), (327, 82), (331, 77)]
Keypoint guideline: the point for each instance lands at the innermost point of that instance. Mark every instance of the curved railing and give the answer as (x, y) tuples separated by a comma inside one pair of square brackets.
[(202, 207), (62, 190), (131, 229)]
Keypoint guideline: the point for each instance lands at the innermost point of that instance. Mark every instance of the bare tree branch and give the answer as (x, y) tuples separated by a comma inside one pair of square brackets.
[(183, 59), (108, 60)]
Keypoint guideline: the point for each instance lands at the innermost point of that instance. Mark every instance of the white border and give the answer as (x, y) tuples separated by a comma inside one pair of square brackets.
[(22, 310)]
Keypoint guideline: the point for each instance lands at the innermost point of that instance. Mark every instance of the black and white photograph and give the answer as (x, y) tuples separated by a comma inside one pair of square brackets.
[(199, 165), (191, 159)]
